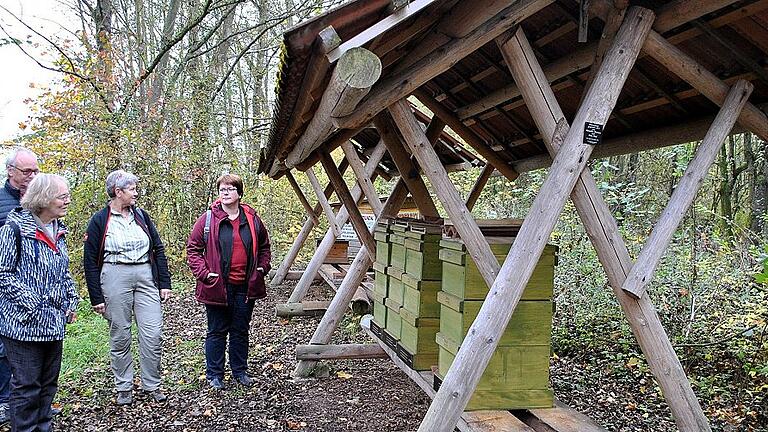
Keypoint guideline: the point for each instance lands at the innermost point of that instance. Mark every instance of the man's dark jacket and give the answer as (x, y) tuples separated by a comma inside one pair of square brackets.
[(9, 200), (93, 252)]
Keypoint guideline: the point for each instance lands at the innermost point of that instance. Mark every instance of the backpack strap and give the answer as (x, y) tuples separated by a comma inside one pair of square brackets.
[(207, 228)]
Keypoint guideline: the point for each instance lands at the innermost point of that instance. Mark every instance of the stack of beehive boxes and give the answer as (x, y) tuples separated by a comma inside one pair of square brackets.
[(380, 281), (420, 312), (518, 373)]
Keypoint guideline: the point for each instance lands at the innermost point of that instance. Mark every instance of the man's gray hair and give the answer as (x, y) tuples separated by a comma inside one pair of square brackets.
[(119, 180), (41, 192), (10, 160)]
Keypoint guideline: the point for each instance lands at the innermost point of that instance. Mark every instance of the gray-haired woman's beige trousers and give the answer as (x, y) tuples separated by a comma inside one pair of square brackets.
[(130, 291)]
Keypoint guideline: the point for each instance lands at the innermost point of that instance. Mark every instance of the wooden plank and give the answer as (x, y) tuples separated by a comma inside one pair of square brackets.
[(480, 183), (561, 418), (355, 275), (603, 231), (408, 171), (300, 194), (305, 308), (364, 181), (685, 191), (350, 203), (339, 352), (672, 14), (328, 240), (476, 421), (682, 65), (399, 86), (412, 8), (355, 73), (318, 188), (506, 290)]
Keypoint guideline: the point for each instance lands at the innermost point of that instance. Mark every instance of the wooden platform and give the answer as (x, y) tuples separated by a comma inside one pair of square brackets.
[(561, 418)]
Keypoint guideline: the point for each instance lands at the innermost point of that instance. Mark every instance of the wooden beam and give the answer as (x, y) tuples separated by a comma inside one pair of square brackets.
[(408, 171), (682, 65), (672, 14), (350, 203), (412, 8), (356, 71), (603, 231), (360, 302), (685, 191), (469, 136), (364, 181), (399, 86), (477, 189), (483, 336), (612, 23), (303, 199), (323, 201), (355, 275), (305, 308), (339, 352), (329, 238), (734, 50)]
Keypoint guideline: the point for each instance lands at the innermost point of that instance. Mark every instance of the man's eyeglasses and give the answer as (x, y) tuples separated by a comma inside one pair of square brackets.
[(26, 172), (64, 196), (227, 190)]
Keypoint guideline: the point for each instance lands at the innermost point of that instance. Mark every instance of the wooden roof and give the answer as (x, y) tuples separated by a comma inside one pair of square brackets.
[(656, 108)]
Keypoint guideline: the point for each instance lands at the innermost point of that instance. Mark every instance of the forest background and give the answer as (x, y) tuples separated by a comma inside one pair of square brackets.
[(179, 92)]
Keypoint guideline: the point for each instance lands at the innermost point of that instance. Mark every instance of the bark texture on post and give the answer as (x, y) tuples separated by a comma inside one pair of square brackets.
[(483, 336)]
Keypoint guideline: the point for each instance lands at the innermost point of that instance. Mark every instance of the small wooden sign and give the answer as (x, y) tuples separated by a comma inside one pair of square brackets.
[(593, 133)]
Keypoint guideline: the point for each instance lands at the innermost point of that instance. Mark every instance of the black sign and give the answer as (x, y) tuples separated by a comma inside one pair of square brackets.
[(593, 133)]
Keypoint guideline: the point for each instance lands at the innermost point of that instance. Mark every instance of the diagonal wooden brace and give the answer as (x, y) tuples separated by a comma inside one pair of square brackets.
[(323, 201), (362, 180), (686, 189), (484, 333), (603, 231), (302, 198), (349, 202)]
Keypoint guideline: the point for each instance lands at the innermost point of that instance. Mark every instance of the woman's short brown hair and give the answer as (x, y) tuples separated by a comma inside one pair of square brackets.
[(231, 179)]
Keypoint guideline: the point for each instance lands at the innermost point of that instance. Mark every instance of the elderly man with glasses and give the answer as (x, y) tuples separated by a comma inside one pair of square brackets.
[(21, 166)]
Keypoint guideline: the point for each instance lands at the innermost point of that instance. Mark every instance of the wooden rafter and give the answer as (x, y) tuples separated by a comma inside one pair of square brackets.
[(477, 188), (358, 168)]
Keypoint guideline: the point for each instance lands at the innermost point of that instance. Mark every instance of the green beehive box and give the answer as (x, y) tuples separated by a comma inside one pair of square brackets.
[(462, 278), (517, 377), (420, 297), (397, 251), (531, 323), (395, 288), (424, 264), (393, 322), (418, 334), (380, 313), (380, 283), (383, 248)]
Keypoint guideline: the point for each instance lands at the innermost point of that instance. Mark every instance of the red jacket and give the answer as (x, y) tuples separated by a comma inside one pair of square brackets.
[(204, 258)]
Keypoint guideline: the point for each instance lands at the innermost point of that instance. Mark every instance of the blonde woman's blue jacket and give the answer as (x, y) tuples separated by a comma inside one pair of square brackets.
[(36, 288)]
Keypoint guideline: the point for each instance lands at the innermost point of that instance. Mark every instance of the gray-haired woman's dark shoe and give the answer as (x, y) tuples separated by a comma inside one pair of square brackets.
[(124, 397), (216, 383)]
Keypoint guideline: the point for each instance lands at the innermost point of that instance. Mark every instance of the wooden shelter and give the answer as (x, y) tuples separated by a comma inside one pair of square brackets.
[(526, 84)]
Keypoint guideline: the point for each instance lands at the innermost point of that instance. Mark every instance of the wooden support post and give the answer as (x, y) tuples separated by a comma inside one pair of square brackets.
[(685, 191), (349, 202), (364, 181), (682, 65), (303, 199), (355, 275), (603, 231), (477, 189), (323, 201), (408, 171), (285, 266), (454, 205), (339, 352), (356, 71), (305, 308), (327, 243), (483, 336)]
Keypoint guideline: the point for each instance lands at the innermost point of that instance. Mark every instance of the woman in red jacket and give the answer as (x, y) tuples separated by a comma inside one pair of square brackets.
[(229, 254)]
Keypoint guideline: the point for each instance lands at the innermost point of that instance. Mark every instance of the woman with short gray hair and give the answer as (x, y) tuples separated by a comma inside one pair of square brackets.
[(127, 276), (37, 299)]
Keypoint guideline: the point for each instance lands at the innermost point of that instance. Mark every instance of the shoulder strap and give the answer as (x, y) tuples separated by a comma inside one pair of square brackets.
[(207, 228)]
